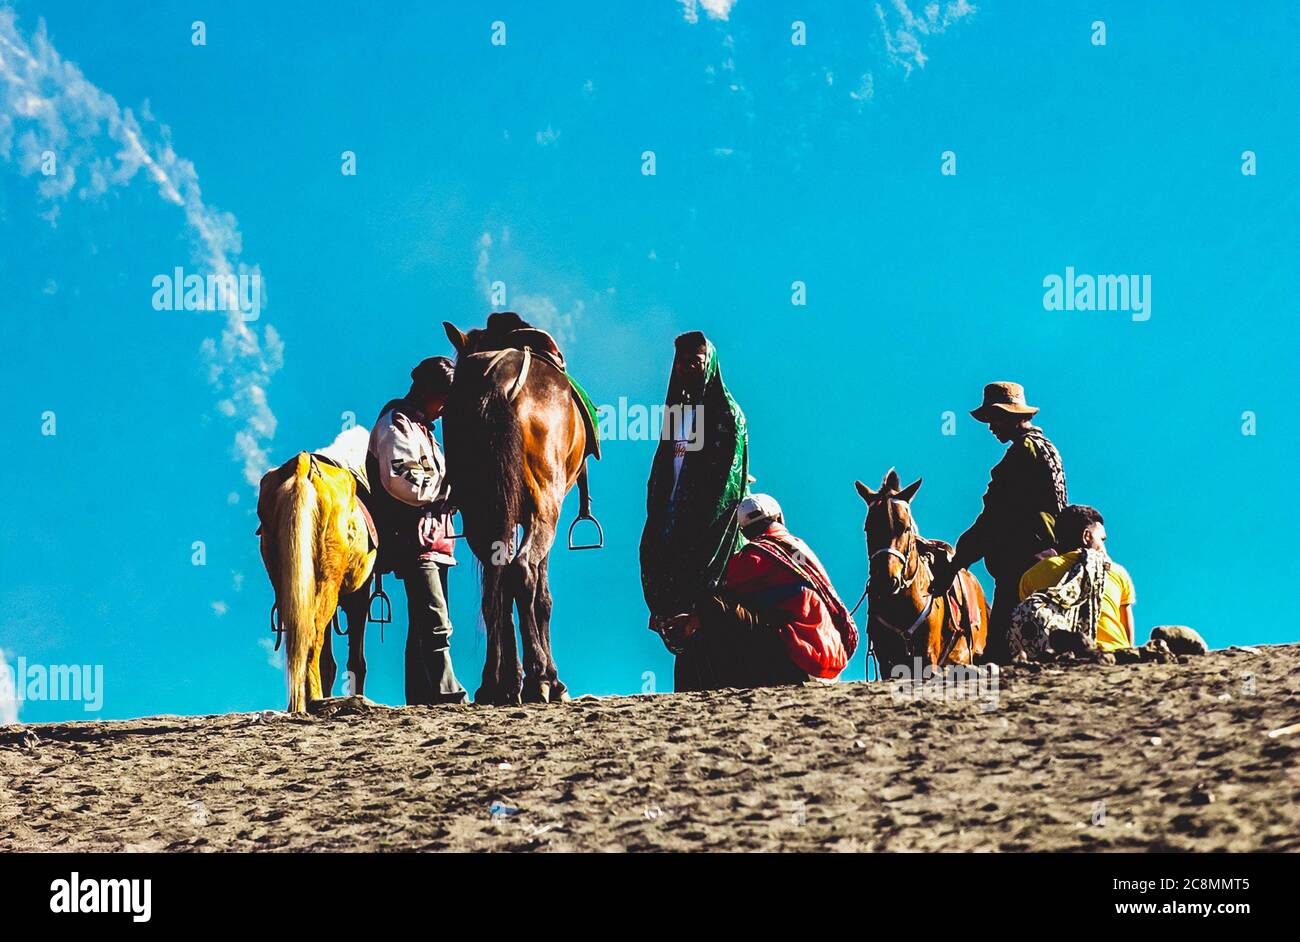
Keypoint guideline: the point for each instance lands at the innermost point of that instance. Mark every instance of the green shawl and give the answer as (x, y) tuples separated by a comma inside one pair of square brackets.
[(692, 532)]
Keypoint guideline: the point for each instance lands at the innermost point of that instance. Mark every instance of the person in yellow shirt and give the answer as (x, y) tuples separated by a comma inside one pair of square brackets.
[(1080, 527)]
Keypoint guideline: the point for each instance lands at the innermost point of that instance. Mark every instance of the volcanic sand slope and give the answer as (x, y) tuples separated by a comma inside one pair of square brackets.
[(1143, 756)]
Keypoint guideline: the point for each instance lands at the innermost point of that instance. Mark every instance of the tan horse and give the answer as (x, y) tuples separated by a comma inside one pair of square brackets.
[(903, 621), (316, 549)]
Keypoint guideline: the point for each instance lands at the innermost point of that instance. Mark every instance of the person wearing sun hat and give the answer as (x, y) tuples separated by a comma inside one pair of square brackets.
[(1025, 494)]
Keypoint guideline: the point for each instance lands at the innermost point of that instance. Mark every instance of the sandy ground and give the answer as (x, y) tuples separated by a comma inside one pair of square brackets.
[(1172, 756)]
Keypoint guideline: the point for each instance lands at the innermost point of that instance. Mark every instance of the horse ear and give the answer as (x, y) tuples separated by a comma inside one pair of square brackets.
[(866, 493), (891, 482), (907, 493), (454, 335)]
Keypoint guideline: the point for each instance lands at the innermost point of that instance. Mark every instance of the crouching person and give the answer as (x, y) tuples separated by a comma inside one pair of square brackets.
[(1078, 599), (776, 619)]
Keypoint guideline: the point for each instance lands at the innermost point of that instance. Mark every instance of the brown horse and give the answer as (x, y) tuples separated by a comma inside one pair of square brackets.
[(904, 622), (515, 446)]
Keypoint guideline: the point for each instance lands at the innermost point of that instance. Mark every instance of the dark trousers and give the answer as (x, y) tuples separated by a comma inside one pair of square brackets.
[(1006, 596), (430, 676), (734, 648)]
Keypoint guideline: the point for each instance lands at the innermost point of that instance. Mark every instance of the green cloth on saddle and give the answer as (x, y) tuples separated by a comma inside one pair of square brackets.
[(589, 413), (691, 530)]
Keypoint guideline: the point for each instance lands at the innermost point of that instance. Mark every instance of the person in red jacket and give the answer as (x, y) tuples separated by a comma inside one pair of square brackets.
[(775, 620)]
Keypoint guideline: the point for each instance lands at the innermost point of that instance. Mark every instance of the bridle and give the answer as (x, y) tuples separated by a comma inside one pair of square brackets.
[(910, 558)]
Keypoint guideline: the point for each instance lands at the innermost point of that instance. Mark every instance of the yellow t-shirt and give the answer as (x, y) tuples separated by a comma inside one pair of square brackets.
[(1118, 592)]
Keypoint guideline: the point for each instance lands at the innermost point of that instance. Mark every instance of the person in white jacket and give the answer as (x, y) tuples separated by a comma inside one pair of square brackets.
[(411, 504)]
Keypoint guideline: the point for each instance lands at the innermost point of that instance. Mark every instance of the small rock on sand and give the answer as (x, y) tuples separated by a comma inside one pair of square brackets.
[(1180, 639)]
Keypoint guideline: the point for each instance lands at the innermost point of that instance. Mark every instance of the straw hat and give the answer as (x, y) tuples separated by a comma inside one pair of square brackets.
[(1006, 398)]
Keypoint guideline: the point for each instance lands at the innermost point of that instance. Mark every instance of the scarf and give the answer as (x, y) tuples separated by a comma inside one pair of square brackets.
[(1073, 604)]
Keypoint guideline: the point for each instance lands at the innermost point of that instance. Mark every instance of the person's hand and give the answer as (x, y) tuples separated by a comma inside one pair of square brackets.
[(942, 574), (675, 630), (685, 625), (425, 530)]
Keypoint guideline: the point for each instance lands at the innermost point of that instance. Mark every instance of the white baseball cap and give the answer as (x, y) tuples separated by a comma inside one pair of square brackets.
[(758, 508)]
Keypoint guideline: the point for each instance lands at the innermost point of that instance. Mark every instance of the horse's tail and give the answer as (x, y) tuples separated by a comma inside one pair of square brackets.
[(485, 470), (295, 589)]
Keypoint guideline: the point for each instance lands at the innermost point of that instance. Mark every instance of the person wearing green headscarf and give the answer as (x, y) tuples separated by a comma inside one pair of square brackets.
[(699, 476)]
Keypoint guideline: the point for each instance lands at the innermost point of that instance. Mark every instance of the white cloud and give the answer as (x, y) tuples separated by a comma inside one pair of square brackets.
[(865, 90), (714, 9), (548, 137), (220, 608), (274, 658), (349, 447), (47, 104), (903, 29), (8, 692)]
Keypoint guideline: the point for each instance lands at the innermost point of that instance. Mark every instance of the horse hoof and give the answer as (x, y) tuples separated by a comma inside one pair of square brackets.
[(546, 691), (496, 696)]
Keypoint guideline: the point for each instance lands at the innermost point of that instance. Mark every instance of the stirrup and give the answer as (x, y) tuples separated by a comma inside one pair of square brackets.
[(276, 628), (600, 533), (384, 615), (337, 625)]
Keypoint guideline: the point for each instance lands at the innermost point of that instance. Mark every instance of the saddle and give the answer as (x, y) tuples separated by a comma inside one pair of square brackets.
[(363, 494), (535, 342), (538, 343)]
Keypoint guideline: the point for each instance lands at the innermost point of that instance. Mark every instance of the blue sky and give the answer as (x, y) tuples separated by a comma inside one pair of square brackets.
[(522, 163)]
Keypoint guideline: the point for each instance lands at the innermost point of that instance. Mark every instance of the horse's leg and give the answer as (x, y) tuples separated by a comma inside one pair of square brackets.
[(313, 661), (558, 691), (328, 667), (543, 681), (327, 604), (525, 585), (501, 674), (357, 609), (935, 643)]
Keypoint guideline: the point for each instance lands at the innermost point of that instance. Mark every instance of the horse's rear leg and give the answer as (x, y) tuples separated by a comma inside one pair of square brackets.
[(536, 682), (357, 609), (502, 677), (541, 683), (558, 691), (327, 603), (328, 667)]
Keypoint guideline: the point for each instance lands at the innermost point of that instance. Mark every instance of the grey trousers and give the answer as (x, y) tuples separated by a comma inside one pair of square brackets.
[(430, 676)]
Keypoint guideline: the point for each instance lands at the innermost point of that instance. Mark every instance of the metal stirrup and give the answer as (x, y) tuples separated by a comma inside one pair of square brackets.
[(385, 614), (584, 513)]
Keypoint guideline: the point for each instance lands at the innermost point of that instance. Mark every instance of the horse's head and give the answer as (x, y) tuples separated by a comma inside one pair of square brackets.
[(892, 560)]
